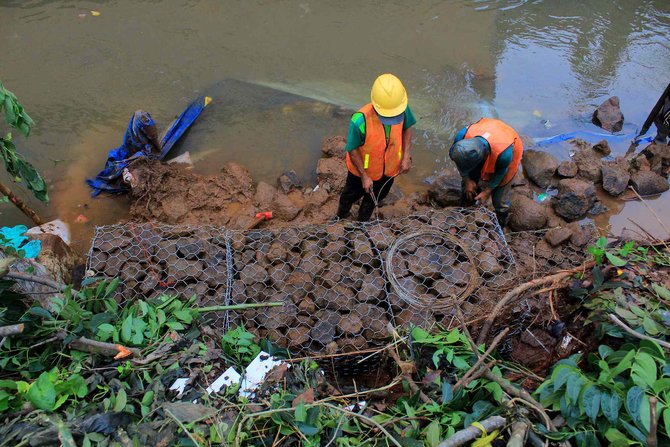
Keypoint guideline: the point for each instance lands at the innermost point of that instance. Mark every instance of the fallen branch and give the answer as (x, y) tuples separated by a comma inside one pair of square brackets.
[(519, 432), (237, 307), (21, 205), (12, 329), (468, 434), (631, 332), (99, 347), (652, 437), (18, 276), (518, 290), (466, 377)]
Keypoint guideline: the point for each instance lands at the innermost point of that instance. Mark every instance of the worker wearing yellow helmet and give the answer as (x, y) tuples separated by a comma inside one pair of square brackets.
[(378, 147)]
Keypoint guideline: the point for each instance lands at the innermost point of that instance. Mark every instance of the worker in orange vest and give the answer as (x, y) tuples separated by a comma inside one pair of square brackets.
[(378, 147), (488, 153)]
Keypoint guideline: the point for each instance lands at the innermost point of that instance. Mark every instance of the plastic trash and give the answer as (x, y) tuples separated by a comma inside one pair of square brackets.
[(15, 238), (256, 372), (95, 13), (57, 227), (228, 378), (81, 219)]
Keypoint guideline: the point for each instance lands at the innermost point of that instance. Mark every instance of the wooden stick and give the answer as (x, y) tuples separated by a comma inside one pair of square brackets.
[(99, 347), (13, 329), (18, 276), (630, 331), (465, 379), (21, 205), (652, 437), (519, 432), (468, 434), (509, 296)]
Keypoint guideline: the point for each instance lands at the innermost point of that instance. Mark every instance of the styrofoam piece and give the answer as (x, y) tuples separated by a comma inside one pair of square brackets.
[(184, 158), (256, 372), (179, 386), (362, 404), (57, 227), (228, 378)]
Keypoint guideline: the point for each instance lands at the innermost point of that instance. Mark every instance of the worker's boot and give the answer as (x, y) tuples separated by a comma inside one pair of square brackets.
[(365, 211), (503, 217), (342, 213)]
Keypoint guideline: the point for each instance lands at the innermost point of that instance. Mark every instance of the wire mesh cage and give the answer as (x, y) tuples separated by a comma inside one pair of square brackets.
[(340, 285)]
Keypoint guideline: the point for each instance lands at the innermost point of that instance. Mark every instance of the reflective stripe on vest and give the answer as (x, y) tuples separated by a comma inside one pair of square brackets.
[(499, 136), (379, 156)]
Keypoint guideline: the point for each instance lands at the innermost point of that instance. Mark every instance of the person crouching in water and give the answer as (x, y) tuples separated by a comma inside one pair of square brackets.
[(378, 147), (487, 155)]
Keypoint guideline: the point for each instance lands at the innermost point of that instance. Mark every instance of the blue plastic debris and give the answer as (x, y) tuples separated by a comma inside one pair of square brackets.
[(15, 238)]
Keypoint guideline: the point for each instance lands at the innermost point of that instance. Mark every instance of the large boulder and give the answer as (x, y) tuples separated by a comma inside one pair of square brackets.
[(526, 214), (589, 162), (446, 189), (240, 175), (658, 156), (331, 173), (648, 183), (334, 147), (540, 167), (283, 207), (608, 115), (575, 198), (615, 179)]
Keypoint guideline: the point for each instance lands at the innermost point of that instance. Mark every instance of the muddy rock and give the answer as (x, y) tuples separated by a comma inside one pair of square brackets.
[(598, 208), (567, 169), (240, 175), (609, 116), (540, 167), (422, 318), (526, 214), (648, 183), (289, 181), (658, 156), (488, 265), (283, 207), (446, 189), (581, 235), (253, 273), (352, 344), (556, 236), (362, 253), (519, 179), (297, 336), (350, 324), (265, 193), (58, 258), (174, 209), (372, 289), (603, 148), (381, 237), (575, 198), (331, 172), (323, 331), (589, 163), (333, 147), (553, 219), (615, 179), (314, 201)]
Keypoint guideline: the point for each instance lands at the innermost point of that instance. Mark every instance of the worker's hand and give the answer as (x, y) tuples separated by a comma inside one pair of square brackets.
[(470, 190), (483, 196), (405, 165), (367, 183)]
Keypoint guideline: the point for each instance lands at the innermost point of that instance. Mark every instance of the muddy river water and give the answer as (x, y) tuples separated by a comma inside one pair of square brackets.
[(81, 69)]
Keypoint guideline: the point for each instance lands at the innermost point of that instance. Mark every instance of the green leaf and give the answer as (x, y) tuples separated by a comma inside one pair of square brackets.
[(643, 371), (633, 402), (616, 438), (666, 420), (42, 393), (610, 404), (40, 312), (127, 329), (65, 436), (301, 411), (105, 331), (615, 260), (121, 401), (447, 392), (591, 402), (575, 383), (184, 315), (650, 326), (661, 291), (560, 376), (306, 429), (433, 434), (645, 413), (635, 432)]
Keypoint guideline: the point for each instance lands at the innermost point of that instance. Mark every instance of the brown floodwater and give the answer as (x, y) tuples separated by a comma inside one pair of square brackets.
[(284, 75)]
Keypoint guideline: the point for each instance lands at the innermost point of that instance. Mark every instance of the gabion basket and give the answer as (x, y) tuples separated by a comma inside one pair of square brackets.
[(341, 285)]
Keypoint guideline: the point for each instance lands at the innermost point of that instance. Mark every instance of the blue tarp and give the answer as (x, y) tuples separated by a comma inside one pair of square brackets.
[(136, 144), (592, 137)]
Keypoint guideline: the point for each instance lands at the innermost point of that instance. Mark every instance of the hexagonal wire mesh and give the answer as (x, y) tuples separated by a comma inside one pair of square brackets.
[(340, 284), (537, 253)]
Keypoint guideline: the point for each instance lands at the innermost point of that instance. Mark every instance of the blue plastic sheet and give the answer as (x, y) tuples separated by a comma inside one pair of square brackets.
[(15, 238), (136, 144), (592, 137)]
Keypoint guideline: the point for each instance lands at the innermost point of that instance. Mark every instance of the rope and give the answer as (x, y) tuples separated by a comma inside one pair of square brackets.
[(423, 301)]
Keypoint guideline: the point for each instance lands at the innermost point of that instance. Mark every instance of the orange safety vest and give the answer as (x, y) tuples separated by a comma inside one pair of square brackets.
[(379, 156), (499, 136)]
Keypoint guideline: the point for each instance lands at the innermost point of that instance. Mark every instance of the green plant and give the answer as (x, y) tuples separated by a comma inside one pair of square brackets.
[(49, 392), (239, 347), (15, 164), (610, 398)]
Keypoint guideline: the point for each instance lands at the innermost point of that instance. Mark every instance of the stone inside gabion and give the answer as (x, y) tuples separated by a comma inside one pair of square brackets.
[(332, 280)]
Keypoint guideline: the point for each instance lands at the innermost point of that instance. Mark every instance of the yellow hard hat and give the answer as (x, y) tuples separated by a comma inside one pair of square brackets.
[(388, 96)]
